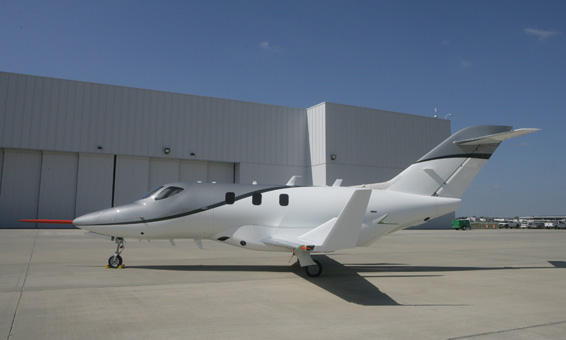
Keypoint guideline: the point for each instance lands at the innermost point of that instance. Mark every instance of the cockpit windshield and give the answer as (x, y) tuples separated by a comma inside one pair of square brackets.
[(149, 194), (168, 192)]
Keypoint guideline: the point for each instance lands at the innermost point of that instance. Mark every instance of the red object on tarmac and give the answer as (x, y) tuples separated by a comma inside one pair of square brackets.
[(49, 221)]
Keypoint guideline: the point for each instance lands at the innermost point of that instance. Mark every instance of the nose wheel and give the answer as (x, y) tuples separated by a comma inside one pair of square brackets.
[(115, 261)]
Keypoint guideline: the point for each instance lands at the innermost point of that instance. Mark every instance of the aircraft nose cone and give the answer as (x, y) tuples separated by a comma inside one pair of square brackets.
[(86, 220)]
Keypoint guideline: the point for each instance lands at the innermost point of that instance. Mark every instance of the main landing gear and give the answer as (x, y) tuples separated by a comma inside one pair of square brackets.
[(313, 268), (115, 261)]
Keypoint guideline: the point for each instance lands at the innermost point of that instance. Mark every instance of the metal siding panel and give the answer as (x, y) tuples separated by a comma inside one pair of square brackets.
[(69, 118), (138, 122), (20, 113), (20, 187), (24, 133), (78, 117), (104, 125), (1, 167), (148, 127), (10, 110), (4, 94), (370, 137), (35, 128), (132, 179), (61, 116), (317, 128), (115, 121), (94, 183), (74, 116), (177, 128), (91, 117), (58, 188)]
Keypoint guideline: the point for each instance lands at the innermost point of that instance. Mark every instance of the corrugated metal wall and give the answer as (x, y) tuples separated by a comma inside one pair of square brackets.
[(53, 114), (370, 145), (370, 137)]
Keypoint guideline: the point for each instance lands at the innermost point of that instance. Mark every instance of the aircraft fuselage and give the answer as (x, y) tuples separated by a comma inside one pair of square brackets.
[(244, 215)]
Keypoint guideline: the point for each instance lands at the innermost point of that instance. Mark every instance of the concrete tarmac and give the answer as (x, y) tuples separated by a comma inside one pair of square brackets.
[(481, 284)]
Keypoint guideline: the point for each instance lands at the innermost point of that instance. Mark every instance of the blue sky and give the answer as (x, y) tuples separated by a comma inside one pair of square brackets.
[(484, 62)]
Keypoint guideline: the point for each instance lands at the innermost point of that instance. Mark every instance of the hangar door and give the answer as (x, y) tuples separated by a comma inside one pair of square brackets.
[(36, 184), (64, 185)]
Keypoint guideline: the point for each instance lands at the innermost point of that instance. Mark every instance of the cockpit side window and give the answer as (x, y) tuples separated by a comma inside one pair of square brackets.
[(168, 192), (149, 194)]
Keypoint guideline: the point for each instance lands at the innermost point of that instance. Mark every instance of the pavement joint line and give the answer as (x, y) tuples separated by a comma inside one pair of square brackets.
[(23, 286), (508, 330)]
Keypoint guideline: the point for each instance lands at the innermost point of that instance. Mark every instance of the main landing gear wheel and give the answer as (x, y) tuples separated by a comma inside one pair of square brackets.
[(314, 270), (115, 261)]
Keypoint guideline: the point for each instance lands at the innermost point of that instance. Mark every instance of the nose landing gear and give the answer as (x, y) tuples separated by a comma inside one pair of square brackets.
[(115, 261)]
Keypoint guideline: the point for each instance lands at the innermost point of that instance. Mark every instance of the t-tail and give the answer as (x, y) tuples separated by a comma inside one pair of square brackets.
[(448, 169)]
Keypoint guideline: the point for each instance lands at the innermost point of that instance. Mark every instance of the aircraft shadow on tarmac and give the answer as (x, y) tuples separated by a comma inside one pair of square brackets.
[(347, 281)]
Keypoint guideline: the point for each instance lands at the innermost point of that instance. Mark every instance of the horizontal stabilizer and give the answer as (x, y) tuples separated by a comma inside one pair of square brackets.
[(495, 138)]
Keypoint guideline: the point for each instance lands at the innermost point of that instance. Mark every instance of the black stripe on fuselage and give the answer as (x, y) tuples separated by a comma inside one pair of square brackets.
[(474, 155), (196, 211)]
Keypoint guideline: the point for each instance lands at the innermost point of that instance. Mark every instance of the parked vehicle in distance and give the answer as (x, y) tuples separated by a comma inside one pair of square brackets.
[(536, 225), (555, 225), (509, 224), (461, 224)]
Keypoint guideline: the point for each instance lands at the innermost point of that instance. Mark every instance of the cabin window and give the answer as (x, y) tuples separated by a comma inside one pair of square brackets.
[(149, 194), (168, 192), (284, 200), (230, 198), (256, 199)]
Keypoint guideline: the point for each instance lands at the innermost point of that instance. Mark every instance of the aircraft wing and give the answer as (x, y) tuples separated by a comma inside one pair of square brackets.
[(337, 233)]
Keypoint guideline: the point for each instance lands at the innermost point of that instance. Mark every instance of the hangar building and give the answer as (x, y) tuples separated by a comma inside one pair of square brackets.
[(69, 147)]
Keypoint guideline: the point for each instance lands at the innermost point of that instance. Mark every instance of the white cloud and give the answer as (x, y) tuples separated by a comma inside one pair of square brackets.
[(542, 35), (265, 45), (465, 63)]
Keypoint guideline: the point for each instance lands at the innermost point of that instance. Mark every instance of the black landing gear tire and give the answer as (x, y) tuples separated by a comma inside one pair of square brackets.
[(115, 261), (314, 270)]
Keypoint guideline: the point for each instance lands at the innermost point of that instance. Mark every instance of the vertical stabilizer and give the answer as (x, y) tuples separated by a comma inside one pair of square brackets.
[(448, 169)]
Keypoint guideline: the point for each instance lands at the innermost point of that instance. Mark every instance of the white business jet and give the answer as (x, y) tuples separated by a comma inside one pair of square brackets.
[(305, 220)]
